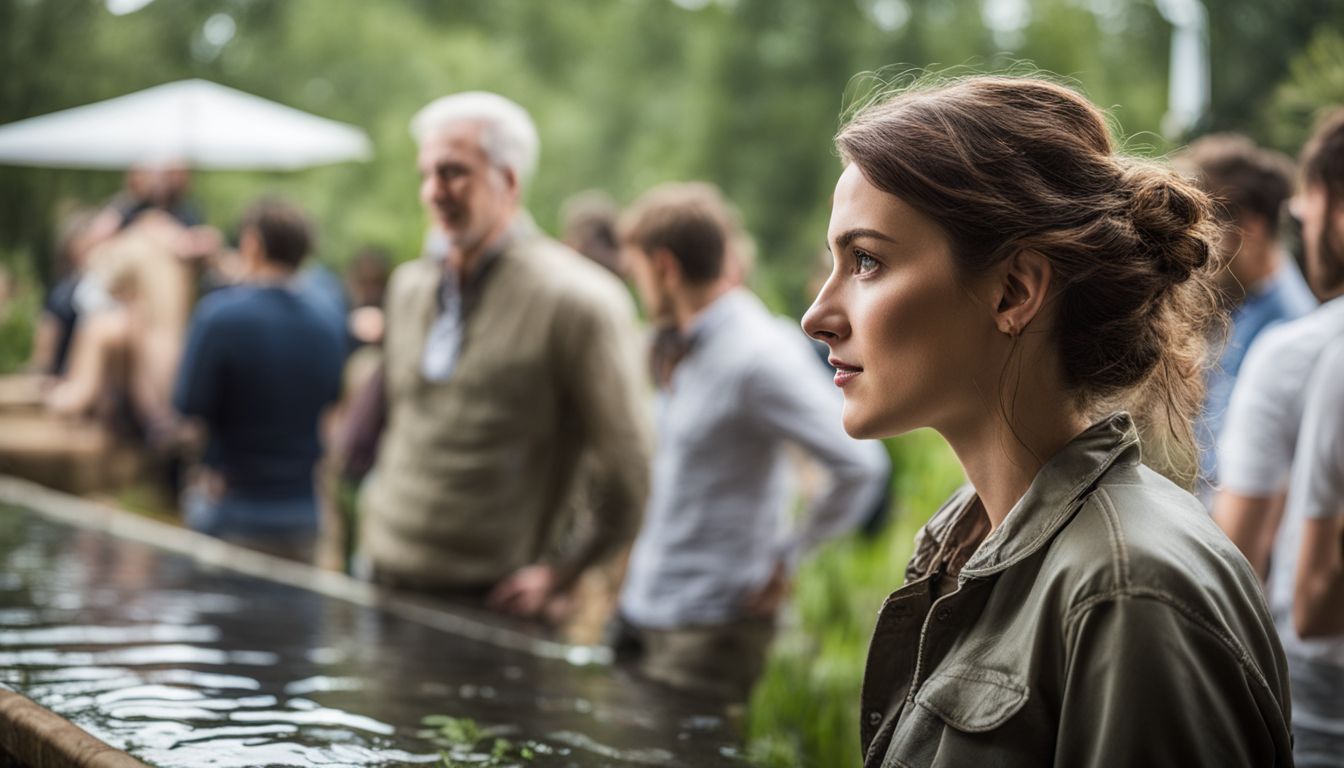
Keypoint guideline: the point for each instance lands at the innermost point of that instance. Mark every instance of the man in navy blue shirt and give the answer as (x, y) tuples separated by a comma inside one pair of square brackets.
[(262, 363)]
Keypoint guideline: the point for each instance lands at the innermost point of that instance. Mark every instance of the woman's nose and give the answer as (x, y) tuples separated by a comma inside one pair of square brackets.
[(825, 320)]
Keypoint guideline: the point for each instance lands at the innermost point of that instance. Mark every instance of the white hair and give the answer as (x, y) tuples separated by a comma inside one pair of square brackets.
[(509, 136)]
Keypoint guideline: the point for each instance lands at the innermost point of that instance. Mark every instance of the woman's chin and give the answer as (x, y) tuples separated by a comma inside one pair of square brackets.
[(866, 425), (862, 426)]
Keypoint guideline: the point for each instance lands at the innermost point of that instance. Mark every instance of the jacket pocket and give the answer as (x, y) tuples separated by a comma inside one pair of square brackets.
[(954, 720), (972, 699)]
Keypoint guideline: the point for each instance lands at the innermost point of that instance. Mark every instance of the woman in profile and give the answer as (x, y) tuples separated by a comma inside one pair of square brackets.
[(1003, 276)]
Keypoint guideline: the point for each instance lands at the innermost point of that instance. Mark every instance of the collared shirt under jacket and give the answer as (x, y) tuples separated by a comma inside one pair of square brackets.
[(1105, 622)]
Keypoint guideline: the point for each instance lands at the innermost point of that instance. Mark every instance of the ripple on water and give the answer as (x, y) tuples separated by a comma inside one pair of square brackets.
[(104, 635), (207, 680), (323, 684), (248, 752), (158, 692), (187, 735), (327, 655), (19, 617), (166, 710), (319, 716), (75, 673), (169, 600), (589, 744), (120, 683), (135, 656)]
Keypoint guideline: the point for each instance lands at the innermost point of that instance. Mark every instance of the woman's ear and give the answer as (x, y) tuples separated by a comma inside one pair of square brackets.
[(1022, 287)]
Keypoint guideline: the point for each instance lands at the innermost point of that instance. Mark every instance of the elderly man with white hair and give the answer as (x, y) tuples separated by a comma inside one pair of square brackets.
[(508, 358)]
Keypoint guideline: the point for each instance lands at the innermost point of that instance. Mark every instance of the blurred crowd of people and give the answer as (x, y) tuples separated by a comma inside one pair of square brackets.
[(134, 337), (502, 426), (1272, 468), (490, 424), (1276, 474)]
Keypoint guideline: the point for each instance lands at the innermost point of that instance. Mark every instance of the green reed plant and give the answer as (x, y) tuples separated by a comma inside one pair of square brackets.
[(20, 307)]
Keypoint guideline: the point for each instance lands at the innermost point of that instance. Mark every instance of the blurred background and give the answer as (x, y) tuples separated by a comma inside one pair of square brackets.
[(629, 93), (744, 93)]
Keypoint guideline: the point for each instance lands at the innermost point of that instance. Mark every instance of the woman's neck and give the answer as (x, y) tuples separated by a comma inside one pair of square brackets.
[(1002, 455)]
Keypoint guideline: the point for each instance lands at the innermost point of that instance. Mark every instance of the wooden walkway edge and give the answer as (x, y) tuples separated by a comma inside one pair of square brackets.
[(32, 736)]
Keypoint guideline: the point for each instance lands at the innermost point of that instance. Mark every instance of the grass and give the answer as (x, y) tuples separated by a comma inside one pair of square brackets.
[(20, 306), (805, 710)]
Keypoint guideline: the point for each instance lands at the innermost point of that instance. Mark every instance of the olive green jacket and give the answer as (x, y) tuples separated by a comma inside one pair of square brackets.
[(1106, 622)]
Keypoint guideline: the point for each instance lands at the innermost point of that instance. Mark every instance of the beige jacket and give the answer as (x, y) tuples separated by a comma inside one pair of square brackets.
[(473, 472)]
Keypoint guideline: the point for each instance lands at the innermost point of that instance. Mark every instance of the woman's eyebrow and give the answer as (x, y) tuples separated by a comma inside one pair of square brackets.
[(849, 236)]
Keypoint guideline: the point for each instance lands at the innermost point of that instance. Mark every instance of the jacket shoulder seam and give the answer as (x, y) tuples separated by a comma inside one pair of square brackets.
[(1119, 550), (1186, 611)]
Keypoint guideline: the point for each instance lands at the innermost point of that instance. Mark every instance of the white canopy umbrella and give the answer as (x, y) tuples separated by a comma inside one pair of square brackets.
[(197, 122)]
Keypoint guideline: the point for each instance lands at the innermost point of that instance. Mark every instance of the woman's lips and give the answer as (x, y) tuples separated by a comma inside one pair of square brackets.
[(844, 372)]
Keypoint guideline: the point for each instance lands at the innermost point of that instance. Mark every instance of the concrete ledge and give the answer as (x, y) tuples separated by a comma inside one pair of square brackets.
[(35, 737)]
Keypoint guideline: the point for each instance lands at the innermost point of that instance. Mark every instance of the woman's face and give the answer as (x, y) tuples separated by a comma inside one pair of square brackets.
[(908, 337)]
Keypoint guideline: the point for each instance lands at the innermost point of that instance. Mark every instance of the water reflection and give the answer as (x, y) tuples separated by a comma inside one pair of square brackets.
[(183, 664), (141, 633)]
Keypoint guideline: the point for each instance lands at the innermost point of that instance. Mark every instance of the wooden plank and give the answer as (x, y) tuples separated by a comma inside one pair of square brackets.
[(36, 737)]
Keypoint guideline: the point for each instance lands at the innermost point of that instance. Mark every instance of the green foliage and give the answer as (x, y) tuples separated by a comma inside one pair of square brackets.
[(804, 711), (1253, 46), (746, 93), (466, 743), (20, 307), (1315, 85), (454, 731)]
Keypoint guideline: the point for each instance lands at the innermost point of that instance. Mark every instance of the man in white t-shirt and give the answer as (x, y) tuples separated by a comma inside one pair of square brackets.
[(1317, 492), (1305, 554), (1258, 454), (1255, 452)]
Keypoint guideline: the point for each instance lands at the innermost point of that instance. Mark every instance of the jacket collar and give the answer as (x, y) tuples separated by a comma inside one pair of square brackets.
[(1055, 494), (950, 541)]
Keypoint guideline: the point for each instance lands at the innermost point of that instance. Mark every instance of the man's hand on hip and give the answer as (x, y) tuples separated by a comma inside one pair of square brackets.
[(766, 600), (525, 592)]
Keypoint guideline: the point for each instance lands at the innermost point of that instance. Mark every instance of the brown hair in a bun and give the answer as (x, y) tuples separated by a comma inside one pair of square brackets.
[(1005, 164)]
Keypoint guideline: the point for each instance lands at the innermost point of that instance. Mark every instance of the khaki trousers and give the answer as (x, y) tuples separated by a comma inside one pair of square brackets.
[(722, 660)]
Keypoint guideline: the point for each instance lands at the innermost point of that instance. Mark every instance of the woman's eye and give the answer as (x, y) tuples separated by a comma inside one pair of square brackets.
[(864, 263)]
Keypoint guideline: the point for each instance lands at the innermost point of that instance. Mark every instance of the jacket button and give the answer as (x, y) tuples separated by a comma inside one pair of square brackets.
[(944, 614), (874, 718)]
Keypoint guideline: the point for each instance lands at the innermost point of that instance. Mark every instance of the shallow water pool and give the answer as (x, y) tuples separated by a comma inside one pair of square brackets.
[(187, 661)]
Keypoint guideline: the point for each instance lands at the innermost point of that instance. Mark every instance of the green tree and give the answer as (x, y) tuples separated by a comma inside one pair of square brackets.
[(1315, 84)]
